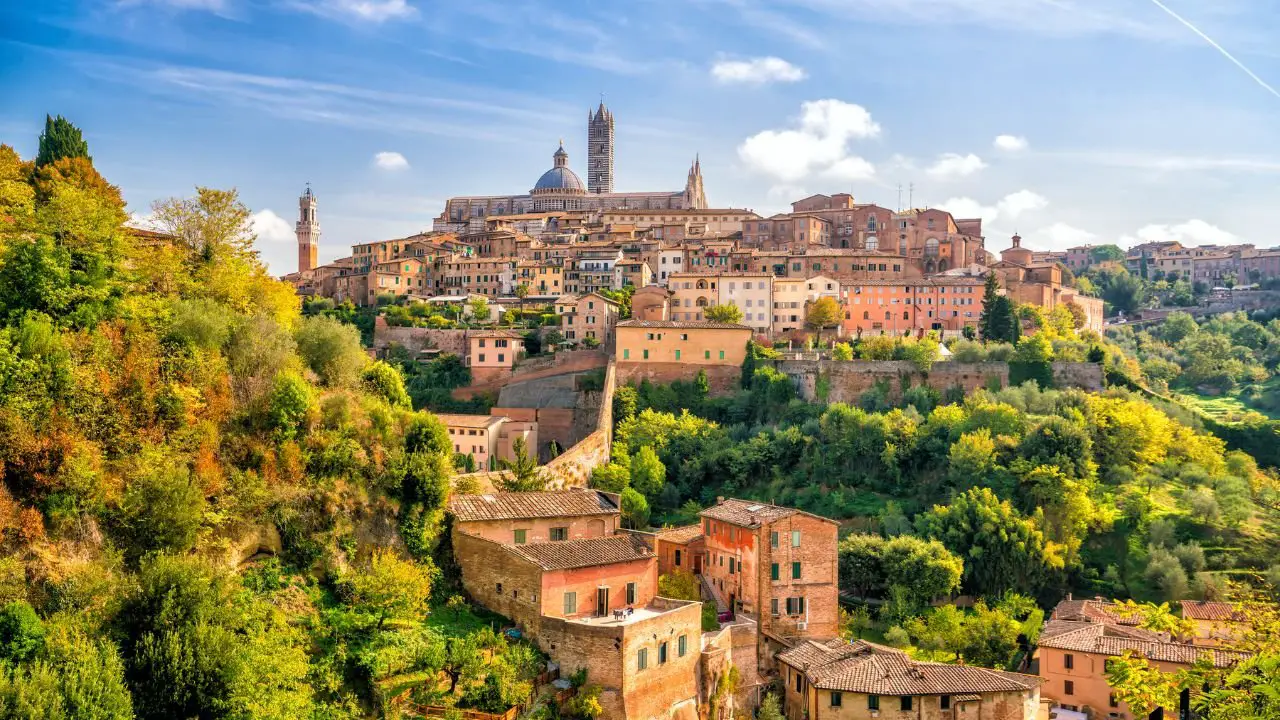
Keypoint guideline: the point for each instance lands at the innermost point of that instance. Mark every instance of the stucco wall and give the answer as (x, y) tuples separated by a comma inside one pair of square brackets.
[(723, 379)]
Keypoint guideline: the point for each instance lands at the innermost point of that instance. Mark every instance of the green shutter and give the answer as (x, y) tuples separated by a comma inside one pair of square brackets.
[(773, 571), (795, 571)]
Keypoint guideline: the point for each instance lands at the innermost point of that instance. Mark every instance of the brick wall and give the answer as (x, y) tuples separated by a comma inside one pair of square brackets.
[(818, 583), (723, 379), (414, 339), (846, 381), (538, 530), (486, 565)]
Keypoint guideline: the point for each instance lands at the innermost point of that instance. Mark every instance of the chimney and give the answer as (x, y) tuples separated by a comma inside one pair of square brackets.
[(719, 498), (1068, 597)]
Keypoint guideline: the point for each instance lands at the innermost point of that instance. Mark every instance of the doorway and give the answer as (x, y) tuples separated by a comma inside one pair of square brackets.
[(602, 601)]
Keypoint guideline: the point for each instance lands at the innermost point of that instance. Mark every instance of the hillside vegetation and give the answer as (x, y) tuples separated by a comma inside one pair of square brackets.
[(166, 413)]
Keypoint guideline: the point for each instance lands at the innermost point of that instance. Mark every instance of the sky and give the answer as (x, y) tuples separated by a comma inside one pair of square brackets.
[(1068, 121)]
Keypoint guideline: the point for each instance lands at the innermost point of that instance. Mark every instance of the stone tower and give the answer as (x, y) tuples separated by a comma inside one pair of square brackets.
[(695, 197), (600, 150), (308, 231)]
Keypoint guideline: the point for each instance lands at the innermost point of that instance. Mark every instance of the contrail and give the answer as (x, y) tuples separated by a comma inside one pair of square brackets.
[(1217, 47)]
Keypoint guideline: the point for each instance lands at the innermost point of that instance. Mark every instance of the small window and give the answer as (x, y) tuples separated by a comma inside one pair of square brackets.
[(677, 355), (642, 658), (626, 354), (945, 702), (520, 536), (773, 539), (1068, 661), (873, 702), (1068, 688), (677, 562), (559, 533), (773, 607), (773, 571), (682, 645), (795, 538), (836, 699), (706, 355), (906, 702), (1111, 700), (499, 588), (730, 566), (631, 593), (646, 355), (795, 571), (570, 603), (662, 654), (721, 354)]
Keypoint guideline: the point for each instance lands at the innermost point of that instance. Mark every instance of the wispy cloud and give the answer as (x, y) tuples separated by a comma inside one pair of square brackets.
[(375, 11), (1166, 163), (756, 71), (950, 166), (1212, 43), (389, 160), (217, 7), (1010, 143)]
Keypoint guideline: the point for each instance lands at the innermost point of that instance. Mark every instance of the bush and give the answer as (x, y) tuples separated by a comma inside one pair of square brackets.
[(897, 637), (386, 382), (21, 632), (331, 348)]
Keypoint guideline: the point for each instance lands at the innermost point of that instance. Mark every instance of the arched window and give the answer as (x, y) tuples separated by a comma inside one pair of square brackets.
[(906, 314), (931, 246), (866, 315), (888, 315), (871, 223), (702, 302), (873, 243)]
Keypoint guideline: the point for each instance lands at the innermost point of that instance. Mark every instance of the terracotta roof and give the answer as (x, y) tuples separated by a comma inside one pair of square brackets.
[(680, 535), (471, 421), (1104, 638), (1094, 610), (747, 513), (568, 554), (1202, 610), (696, 325), (510, 334), (864, 667), (524, 505)]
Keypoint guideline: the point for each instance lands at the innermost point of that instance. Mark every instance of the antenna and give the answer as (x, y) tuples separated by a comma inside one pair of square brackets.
[(911, 196), (899, 197)]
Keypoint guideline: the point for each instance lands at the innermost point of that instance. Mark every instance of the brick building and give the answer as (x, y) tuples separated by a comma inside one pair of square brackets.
[(838, 680), (680, 549), (587, 316), (776, 564), (527, 517), (1081, 635), (1216, 623), (690, 343)]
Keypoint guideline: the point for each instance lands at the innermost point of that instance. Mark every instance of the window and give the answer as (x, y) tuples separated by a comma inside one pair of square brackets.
[(646, 355), (570, 603), (795, 606), (945, 701), (730, 566), (642, 658), (677, 558), (520, 536), (499, 588), (481, 357), (795, 571), (721, 354), (905, 702), (677, 355), (706, 527), (773, 607), (631, 593), (706, 354), (662, 654), (873, 702), (836, 699), (626, 354), (682, 645), (1111, 700), (559, 533), (1068, 661), (1068, 688), (795, 538), (773, 571)]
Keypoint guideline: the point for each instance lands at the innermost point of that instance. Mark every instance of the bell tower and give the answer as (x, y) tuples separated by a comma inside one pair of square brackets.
[(308, 231), (600, 150)]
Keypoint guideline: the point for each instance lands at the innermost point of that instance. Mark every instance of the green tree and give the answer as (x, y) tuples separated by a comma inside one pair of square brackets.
[(648, 474), (998, 321), (521, 473), (331, 348), (990, 638), (385, 381), (292, 401), (479, 306), (730, 313), (770, 708), (842, 351), (59, 140), (391, 588), (635, 509), (163, 507), (923, 568), (680, 585), (823, 313), (21, 632)]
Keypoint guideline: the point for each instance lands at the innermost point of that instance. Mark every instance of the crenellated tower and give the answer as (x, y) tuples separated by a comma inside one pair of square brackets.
[(308, 231), (600, 150)]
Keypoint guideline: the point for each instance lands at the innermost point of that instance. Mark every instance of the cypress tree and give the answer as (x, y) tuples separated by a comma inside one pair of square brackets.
[(990, 305), (59, 140)]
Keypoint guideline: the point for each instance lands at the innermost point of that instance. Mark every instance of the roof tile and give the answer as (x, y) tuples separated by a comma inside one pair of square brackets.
[(525, 505), (568, 554), (864, 667)]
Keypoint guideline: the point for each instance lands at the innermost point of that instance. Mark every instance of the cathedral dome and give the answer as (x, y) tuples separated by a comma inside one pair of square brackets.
[(559, 178)]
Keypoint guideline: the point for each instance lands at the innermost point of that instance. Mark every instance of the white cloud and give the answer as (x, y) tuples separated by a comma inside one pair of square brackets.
[(271, 227), (851, 169), (1010, 207), (820, 143), (757, 71), (367, 10), (953, 165), (1191, 232), (143, 221), (1059, 236), (388, 160), (1011, 143)]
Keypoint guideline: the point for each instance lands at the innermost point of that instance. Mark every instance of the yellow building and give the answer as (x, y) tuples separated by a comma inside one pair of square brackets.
[(687, 343)]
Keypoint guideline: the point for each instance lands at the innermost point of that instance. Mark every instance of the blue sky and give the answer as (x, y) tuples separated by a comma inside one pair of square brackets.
[(1065, 120)]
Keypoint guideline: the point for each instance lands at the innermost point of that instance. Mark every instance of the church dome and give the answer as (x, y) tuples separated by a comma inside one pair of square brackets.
[(560, 178)]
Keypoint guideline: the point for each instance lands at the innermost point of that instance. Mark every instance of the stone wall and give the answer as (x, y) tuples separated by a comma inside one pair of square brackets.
[(723, 379), (416, 339), (488, 566), (573, 467), (733, 644), (846, 381)]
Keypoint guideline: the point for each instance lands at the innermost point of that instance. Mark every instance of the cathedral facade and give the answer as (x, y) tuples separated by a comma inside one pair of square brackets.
[(560, 188)]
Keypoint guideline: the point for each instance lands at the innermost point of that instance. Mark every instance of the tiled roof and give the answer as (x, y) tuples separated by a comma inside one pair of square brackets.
[(511, 334), (471, 421), (525, 505), (1112, 640), (1095, 610), (750, 513), (1203, 610), (680, 534), (671, 324), (569, 554), (864, 667)]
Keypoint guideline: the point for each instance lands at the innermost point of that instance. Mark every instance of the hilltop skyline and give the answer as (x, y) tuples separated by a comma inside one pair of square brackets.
[(1067, 122)]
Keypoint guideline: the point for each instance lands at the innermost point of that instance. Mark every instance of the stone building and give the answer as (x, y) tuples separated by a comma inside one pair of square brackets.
[(750, 292), (946, 302), (308, 231), (791, 299), (1216, 623), (679, 549), (489, 439), (776, 564), (839, 680), (560, 188), (587, 316), (537, 516)]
